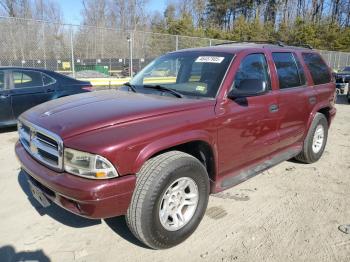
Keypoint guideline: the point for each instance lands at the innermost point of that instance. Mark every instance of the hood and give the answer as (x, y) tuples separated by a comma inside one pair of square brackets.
[(82, 113)]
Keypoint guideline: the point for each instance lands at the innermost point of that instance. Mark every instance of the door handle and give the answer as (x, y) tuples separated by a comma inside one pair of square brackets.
[(4, 96), (274, 108)]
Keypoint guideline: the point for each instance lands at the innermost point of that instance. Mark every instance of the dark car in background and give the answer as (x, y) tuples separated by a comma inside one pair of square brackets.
[(24, 88), (342, 79)]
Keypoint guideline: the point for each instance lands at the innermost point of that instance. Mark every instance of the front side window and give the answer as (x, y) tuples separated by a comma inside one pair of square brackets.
[(289, 74), (252, 67), (2, 80), (27, 79), (318, 69), (197, 73)]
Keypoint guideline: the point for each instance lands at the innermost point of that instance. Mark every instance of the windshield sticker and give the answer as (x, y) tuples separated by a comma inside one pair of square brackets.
[(210, 59), (202, 89)]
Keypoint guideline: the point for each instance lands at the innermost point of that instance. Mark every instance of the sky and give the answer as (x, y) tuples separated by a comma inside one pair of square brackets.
[(71, 9)]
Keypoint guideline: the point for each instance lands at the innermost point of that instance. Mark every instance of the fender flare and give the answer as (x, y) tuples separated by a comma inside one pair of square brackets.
[(316, 109), (167, 142)]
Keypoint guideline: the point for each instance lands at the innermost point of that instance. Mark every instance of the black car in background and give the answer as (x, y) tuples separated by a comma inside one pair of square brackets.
[(342, 78), (23, 88)]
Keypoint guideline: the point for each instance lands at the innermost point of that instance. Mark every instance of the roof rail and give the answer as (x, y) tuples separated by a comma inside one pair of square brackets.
[(279, 43), (301, 45)]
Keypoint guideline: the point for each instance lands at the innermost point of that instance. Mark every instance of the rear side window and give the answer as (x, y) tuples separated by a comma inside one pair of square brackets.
[(48, 80), (2, 80), (289, 71), (253, 66), (27, 79), (318, 69)]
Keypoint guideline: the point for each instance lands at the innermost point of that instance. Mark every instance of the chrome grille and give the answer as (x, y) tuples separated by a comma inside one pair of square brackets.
[(42, 144)]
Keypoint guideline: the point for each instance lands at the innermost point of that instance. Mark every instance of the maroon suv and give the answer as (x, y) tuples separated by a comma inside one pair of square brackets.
[(155, 149)]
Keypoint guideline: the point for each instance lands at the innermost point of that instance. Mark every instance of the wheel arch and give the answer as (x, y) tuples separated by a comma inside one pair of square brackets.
[(200, 147), (325, 110)]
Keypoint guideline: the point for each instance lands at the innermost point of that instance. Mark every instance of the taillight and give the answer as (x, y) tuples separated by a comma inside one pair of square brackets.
[(87, 88)]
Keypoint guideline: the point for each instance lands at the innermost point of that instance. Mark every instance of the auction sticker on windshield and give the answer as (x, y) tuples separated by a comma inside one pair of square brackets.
[(210, 59)]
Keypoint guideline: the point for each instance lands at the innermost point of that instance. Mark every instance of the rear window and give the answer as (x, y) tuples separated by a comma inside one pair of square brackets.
[(289, 73), (318, 68)]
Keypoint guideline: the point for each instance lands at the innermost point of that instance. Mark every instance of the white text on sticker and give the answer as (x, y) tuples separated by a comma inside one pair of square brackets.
[(210, 59)]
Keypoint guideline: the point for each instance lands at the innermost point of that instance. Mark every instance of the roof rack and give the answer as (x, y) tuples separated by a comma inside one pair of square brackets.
[(301, 45), (279, 43)]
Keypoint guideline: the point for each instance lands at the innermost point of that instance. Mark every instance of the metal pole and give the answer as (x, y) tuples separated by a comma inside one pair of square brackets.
[(72, 50), (130, 40), (44, 43), (209, 42), (176, 42)]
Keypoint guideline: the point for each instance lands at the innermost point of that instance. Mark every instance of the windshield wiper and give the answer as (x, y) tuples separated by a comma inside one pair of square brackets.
[(131, 87), (163, 88)]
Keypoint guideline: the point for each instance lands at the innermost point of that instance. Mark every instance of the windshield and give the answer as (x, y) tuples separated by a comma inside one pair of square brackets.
[(195, 73), (346, 69)]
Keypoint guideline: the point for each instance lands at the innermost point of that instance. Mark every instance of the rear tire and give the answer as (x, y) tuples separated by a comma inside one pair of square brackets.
[(315, 141), (161, 188)]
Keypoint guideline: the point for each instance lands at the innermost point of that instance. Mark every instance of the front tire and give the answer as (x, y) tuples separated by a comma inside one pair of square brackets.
[(169, 201), (315, 141)]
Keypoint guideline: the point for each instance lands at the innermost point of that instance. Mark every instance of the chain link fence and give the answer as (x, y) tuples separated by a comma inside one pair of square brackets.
[(71, 49)]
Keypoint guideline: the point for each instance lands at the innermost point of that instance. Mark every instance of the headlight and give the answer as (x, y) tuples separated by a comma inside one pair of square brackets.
[(88, 165)]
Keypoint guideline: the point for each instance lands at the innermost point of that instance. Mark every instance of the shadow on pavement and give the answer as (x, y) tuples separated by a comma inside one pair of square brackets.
[(117, 224), (9, 254), (8, 129), (54, 211)]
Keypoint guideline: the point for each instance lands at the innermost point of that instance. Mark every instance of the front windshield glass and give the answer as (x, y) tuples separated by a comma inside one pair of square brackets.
[(190, 73)]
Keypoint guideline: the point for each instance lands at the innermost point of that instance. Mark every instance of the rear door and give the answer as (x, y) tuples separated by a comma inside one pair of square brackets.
[(295, 99), (6, 114), (321, 77), (28, 89)]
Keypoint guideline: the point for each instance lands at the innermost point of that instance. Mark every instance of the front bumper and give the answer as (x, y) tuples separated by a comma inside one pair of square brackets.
[(85, 197)]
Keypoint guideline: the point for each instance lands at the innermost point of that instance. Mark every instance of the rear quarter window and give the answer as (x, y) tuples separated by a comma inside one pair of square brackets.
[(317, 67), (48, 80)]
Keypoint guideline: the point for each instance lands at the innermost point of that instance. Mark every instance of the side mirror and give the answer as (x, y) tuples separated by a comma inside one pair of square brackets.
[(247, 88)]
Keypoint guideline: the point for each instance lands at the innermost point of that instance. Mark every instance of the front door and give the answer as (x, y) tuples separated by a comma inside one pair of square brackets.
[(6, 115), (27, 90), (247, 130)]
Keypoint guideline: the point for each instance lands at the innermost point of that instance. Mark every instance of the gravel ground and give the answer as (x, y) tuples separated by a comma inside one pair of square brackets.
[(290, 213)]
